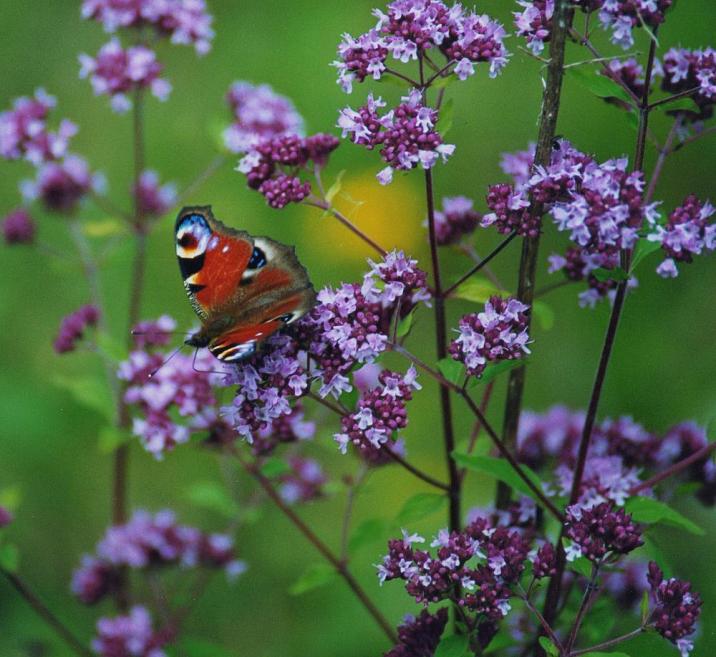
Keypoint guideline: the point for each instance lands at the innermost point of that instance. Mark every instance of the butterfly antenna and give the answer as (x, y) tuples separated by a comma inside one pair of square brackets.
[(194, 367), (166, 360), (158, 332)]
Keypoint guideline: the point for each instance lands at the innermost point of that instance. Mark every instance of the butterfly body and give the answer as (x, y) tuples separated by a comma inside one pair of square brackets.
[(243, 288)]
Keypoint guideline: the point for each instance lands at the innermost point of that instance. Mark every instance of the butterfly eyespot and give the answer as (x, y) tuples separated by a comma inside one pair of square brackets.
[(187, 241), (257, 260)]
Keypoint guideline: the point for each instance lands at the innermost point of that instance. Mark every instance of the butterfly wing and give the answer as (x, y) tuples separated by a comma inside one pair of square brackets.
[(243, 288)]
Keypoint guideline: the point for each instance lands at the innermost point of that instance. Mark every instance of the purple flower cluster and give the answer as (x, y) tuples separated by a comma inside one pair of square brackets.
[(62, 185), (153, 200), (304, 482), (24, 131), (622, 16), (677, 608), (628, 72), (411, 28), (5, 517), (419, 636), (381, 412), (350, 325), (510, 211), (18, 227), (289, 428), (73, 326), (688, 231), (406, 135), (272, 166), (150, 541), (474, 568), (496, 334), (153, 333), (599, 531), (185, 22), (132, 635), (160, 390), (545, 562), (534, 22), (259, 114), (692, 69), (456, 219), (118, 72)]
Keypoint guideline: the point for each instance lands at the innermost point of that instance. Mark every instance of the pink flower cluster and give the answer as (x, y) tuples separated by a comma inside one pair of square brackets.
[(289, 428), (73, 327), (406, 135), (413, 28), (534, 22), (18, 227), (259, 114), (303, 482), (272, 166), (150, 541), (24, 131), (153, 199), (692, 69), (496, 334), (185, 22), (118, 73), (456, 220), (131, 635)]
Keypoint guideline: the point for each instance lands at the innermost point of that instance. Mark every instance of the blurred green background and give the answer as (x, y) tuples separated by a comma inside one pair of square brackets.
[(662, 372)]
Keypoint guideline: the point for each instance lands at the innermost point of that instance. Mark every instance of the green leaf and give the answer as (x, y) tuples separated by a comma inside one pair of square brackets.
[(445, 117), (476, 289), (651, 512), (548, 646), (495, 369), (644, 607), (9, 557), (211, 496), (190, 647), (643, 248), (686, 104), (544, 314), (419, 506), (274, 467), (368, 532), (603, 275), (598, 84), (454, 645), (10, 497), (656, 553), (452, 370), (582, 566), (110, 438), (499, 642), (335, 188), (112, 348), (405, 324), (501, 470), (89, 392), (314, 576), (442, 83)]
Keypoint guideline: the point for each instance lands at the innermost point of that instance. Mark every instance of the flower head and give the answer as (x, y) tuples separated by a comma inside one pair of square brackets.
[(622, 16), (534, 23), (456, 219), (600, 531), (73, 326), (18, 227), (153, 200), (303, 482), (62, 185), (131, 635), (418, 636), (5, 517)]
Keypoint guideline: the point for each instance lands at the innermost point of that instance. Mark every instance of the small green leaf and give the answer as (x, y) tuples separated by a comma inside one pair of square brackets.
[(211, 496), (646, 510), (368, 532), (421, 505), (644, 607), (454, 645), (314, 576), (9, 557), (452, 370), (405, 324), (445, 117), (643, 248), (499, 642), (110, 438), (495, 369), (548, 646), (335, 188), (501, 470), (685, 104), (274, 467), (89, 392), (603, 275), (598, 84), (582, 566), (544, 314), (476, 289)]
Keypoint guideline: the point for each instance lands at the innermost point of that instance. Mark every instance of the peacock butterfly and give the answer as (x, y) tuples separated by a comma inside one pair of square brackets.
[(243, 288)]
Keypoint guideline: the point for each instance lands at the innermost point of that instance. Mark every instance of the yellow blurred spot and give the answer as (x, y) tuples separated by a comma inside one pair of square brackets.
[(103, 228), (391, 215)]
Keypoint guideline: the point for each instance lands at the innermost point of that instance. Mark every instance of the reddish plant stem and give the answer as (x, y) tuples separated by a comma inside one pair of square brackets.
[(609, 643), (671, 99), (341, 568), (39, 607), (583, 609), (486, 396), (480, 264), (441, 350), (664, 152), (530, 245), (674, 469)]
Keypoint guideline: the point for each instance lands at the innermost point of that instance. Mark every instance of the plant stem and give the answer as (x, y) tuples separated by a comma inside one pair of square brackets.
[(671, 99), (195, 184), (548, 630), (610, 643), (583, 608), (486, 396), (664, 152), (341, 568), (46, 615), (530, 245), (353, 488), (480, 264), (441, 350), (326, 206)]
